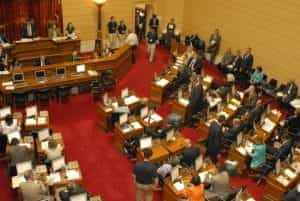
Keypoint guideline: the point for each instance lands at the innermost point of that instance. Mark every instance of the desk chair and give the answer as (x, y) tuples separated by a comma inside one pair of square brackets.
[(107, 79), (20, 99), (63, 93), (43, 97)]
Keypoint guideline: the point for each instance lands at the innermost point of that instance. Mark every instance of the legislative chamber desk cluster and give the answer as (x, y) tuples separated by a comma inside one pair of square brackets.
[(119, 62)]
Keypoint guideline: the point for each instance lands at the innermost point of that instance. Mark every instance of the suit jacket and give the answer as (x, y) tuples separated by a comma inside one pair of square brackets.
[(227, 59), (247, 62), (32, 191), (220, 186), (3, 38), (18, 154), (292, 195), (195, 64), (238, 60), (154, 23), (189, 155), (214, 47), (214, 139), (25, 33), (291, 90), (51, 32), (256, 113)]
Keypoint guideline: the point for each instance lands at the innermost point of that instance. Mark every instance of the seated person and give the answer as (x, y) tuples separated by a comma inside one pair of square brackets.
[(293, 123), (288, 92), (17, 154), (189, 154), (220, 186), (164, 171), (70, 31), (33, 189), (237, 62), (236, 128), (258, 76), (72, 189), (195, 191), (294, 194), (9, 125), (28, 29), (54, 150), (53, 30), (3, 38), (251, 95), (258, 154), (227, 60), (42, 61)]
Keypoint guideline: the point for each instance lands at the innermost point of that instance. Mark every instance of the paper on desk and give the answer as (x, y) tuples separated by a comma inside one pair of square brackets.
[(59, 38), (232, 107), (26, 145), (207, 79), (179, 186), (9, 88), (30, 121), (290, 174), (281, 179), (5, 45), (156, 117), (72, 174), (42, 120), (92, 73), (214, 102), (17, 180), (24, 40), (268, 125), (53, 178), (5, 72), (10, 83), (242, 150), (183, 101), (162, 82), (226, 115), (44, 145), (130, 100), (41, 169), (127, 129), (136, 125)]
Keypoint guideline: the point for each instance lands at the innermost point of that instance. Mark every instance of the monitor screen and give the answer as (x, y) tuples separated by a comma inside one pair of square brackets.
[(278, 167), (175, 173), (31, 111), (170, 134), (43, 134), (123, 118), (40, 74), (145, 142), (80, 68), (19, 77), (199, 163), (239, 139), (60, 71), (4, 112), (79, 197), (58, 164), (12, 135), (23, 167), (144, 112)]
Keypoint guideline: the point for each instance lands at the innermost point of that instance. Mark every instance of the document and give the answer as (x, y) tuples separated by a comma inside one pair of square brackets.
[(73, 174), (290, 173), (17, 180), (183, 101), (281, 179), (136, 125), (179, 186), (5, 72), (268, 125), (208, 79), (130, 100), (30, 121), (295, 103), (42, 120), (53, 178), (162, 82), (156, 117), (44, 145)]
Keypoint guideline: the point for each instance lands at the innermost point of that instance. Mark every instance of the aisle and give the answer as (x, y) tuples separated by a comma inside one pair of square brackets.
[(105, 171)]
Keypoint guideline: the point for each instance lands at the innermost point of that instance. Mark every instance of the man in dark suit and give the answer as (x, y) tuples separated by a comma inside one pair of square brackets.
[(214, 45), (247, 61), (214, 139), (289, 92), (72, 189), (236, 128), (190, 154), (294, 194), (28, 29), (154, 23), (195, 63), (112, 27), (237, 62)]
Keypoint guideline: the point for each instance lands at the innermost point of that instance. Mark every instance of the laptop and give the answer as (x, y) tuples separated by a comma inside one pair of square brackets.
[(40, 75), (60, 73), (18, 77)]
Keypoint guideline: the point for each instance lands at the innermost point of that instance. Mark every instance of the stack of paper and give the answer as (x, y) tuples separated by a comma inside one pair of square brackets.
[(17, 180), (73, 174), (53, 178), (130, 100), (162, 82), (136, 125), (268, 125), (208, 79), (10, 83), (183, 101), (30, 121), (179, 186), (24, 40), (42, 120), (232, 107), (9, 88)]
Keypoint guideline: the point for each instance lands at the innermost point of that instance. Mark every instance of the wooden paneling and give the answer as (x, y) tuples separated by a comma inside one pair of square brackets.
[(270, 27)]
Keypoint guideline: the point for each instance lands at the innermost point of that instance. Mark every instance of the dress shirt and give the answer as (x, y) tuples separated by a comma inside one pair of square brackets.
[(164, 170), (53, 154), (132, 39)]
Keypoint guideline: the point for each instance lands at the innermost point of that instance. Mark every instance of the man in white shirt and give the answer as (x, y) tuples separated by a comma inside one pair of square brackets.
[(133, 41)]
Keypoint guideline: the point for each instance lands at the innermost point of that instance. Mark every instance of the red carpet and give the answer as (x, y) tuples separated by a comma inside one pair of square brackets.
[(105, 171)]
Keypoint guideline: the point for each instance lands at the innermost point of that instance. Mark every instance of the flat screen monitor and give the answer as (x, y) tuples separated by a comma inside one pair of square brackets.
[(43, 134), (175, 173), (12, 135), (123, 118), (145, 142), (31, 111), (58, 163), (239, 139), (79, 197), (39, 74), (60, 71), (80, 68), (199, 163), (18, 77), (170, 135), (4, 112), (23, 167)]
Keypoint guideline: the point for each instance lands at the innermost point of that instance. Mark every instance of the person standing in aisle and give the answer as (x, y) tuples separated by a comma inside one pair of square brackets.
[(154, 23), (112, 31), (152, 39), (122, 30)]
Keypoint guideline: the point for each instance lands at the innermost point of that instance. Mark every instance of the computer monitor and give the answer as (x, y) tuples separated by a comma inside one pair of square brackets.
[(239, 139), (199, 163), (125, 93), (18, 77), (39, 74), (31, 111), (80, 68), (175, 173), (277, 167), (123, 118), (170, 135), (4, 112), (58, 163), (12, 135), (61, 71), (43, 134), (79, 197), (105, 99), (144, 112), (145, 142), (23, 167)]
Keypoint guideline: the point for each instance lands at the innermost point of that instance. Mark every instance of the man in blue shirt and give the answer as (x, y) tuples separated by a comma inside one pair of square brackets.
[(258, 76), (258, 154)]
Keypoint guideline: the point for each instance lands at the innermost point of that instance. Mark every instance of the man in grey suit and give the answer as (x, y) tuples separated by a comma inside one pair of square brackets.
[(214, 45), (220, 186), (33, 190), (227, 60)]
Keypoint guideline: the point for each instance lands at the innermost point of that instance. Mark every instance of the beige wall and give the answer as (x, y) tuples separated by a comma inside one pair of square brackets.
[(270, 27)]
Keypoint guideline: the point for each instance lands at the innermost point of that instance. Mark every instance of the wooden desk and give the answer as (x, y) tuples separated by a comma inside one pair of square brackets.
[(160, 153), (152, 123), (55, 51), (180, 108), (120, 136), (38, 125), (176, 146), (104, 116)]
